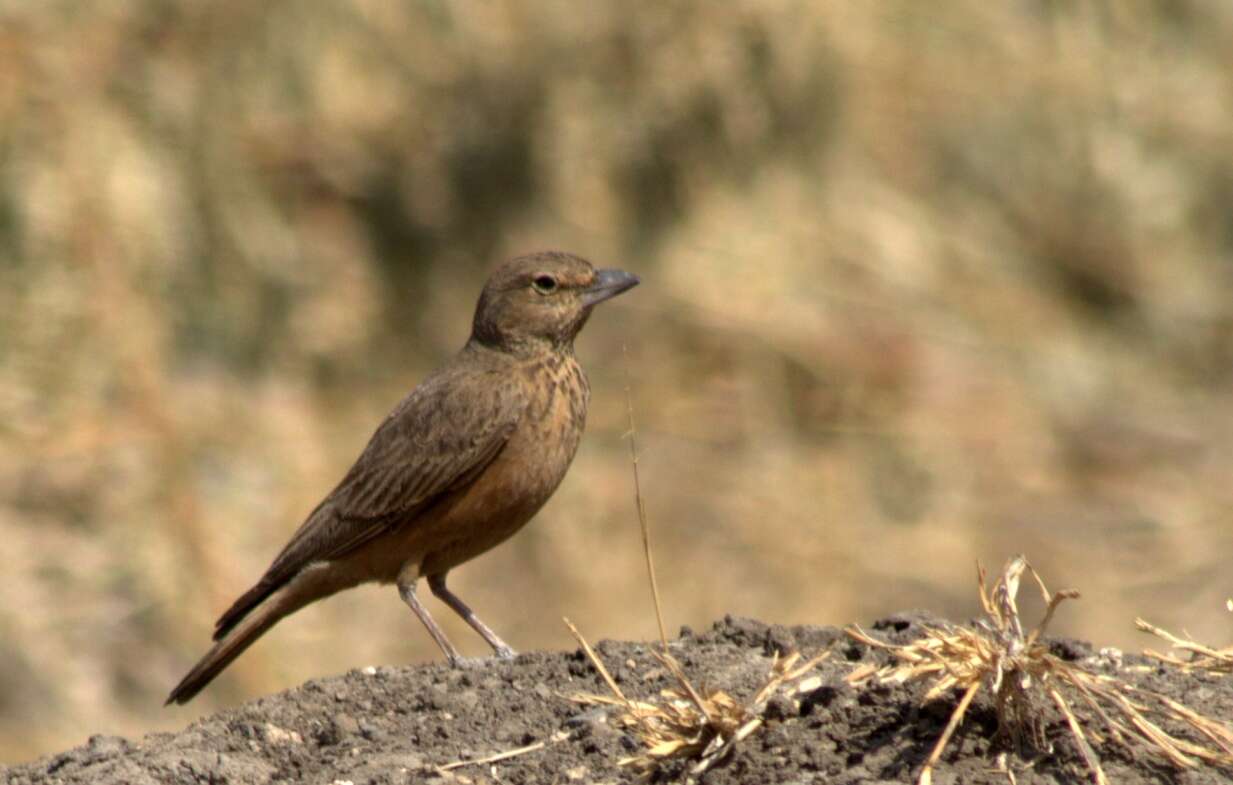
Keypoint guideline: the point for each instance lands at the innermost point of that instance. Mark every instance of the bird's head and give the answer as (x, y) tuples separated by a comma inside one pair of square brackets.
[(541, 300)]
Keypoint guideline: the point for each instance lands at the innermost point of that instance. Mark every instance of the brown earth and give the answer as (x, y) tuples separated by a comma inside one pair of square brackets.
[(398, 725)]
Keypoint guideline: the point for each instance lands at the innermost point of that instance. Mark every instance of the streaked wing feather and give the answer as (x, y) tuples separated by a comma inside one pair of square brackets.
[(382, 510), (447, 429)]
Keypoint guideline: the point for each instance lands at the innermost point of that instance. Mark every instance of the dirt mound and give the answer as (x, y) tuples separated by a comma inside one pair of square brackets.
[(400, 725)]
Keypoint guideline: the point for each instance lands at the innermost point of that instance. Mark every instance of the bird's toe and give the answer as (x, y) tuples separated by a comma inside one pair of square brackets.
[(475, 663)]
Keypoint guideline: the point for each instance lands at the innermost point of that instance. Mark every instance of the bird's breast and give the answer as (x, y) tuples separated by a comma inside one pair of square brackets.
[(525, 473), (547, 438)]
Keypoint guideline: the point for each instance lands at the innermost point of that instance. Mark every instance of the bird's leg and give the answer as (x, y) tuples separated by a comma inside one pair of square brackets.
[(437, 584), (406, 589)]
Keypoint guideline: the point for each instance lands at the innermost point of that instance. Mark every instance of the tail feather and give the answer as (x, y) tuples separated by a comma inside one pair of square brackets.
[(242, 607), (259, 609), (230, 646)]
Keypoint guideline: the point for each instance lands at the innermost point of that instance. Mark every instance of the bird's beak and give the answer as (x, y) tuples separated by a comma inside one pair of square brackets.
[(608, 284)]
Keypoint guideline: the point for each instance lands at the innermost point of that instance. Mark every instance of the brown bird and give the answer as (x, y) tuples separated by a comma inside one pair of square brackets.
[(459, 466)]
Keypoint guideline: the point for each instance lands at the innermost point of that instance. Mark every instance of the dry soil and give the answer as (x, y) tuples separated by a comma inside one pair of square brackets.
[(400, 724)]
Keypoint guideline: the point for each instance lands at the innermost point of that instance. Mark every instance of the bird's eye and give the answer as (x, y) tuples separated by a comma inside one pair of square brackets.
[(544, 284)]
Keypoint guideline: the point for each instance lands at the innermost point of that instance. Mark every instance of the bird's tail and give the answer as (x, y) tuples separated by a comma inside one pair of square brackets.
[(230, 646), (238, 638)]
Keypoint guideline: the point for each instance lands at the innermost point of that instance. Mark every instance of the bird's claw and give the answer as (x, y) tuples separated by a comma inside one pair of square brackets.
[(478, 663)]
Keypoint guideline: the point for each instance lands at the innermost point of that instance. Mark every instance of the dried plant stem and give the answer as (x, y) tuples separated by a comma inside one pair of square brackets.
[(642, 519), (1076, 730), (500, 756), (1201, 657), (597, 662), (926, 774)]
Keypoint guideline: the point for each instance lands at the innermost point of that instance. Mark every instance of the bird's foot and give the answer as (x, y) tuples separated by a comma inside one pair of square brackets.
[(504, 652), (479, 663)]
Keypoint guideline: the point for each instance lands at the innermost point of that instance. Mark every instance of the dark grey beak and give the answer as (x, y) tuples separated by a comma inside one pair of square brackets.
[(608, 284)]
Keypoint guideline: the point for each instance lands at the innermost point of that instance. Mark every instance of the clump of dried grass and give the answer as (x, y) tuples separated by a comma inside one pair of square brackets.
[(1197, 656), (684, 723), (1021, 673), (702, 727)]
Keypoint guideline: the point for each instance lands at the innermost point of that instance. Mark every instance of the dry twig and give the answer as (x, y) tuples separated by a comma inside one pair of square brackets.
[(500, 756), (1200, 657), (643, 525)]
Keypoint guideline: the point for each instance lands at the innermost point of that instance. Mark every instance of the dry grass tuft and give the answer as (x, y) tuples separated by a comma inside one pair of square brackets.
[(1021, 673), (685, 723), (703, 727), (1199, 657)]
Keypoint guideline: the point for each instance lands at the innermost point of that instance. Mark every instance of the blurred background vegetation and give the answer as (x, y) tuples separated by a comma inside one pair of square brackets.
[(923, 284)]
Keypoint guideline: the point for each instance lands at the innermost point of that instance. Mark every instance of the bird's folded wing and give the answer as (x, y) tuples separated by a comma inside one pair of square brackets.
[(440, 437), (437, 440)]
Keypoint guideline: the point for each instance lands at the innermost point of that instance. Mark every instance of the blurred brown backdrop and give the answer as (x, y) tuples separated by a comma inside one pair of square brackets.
[(924, 284)]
